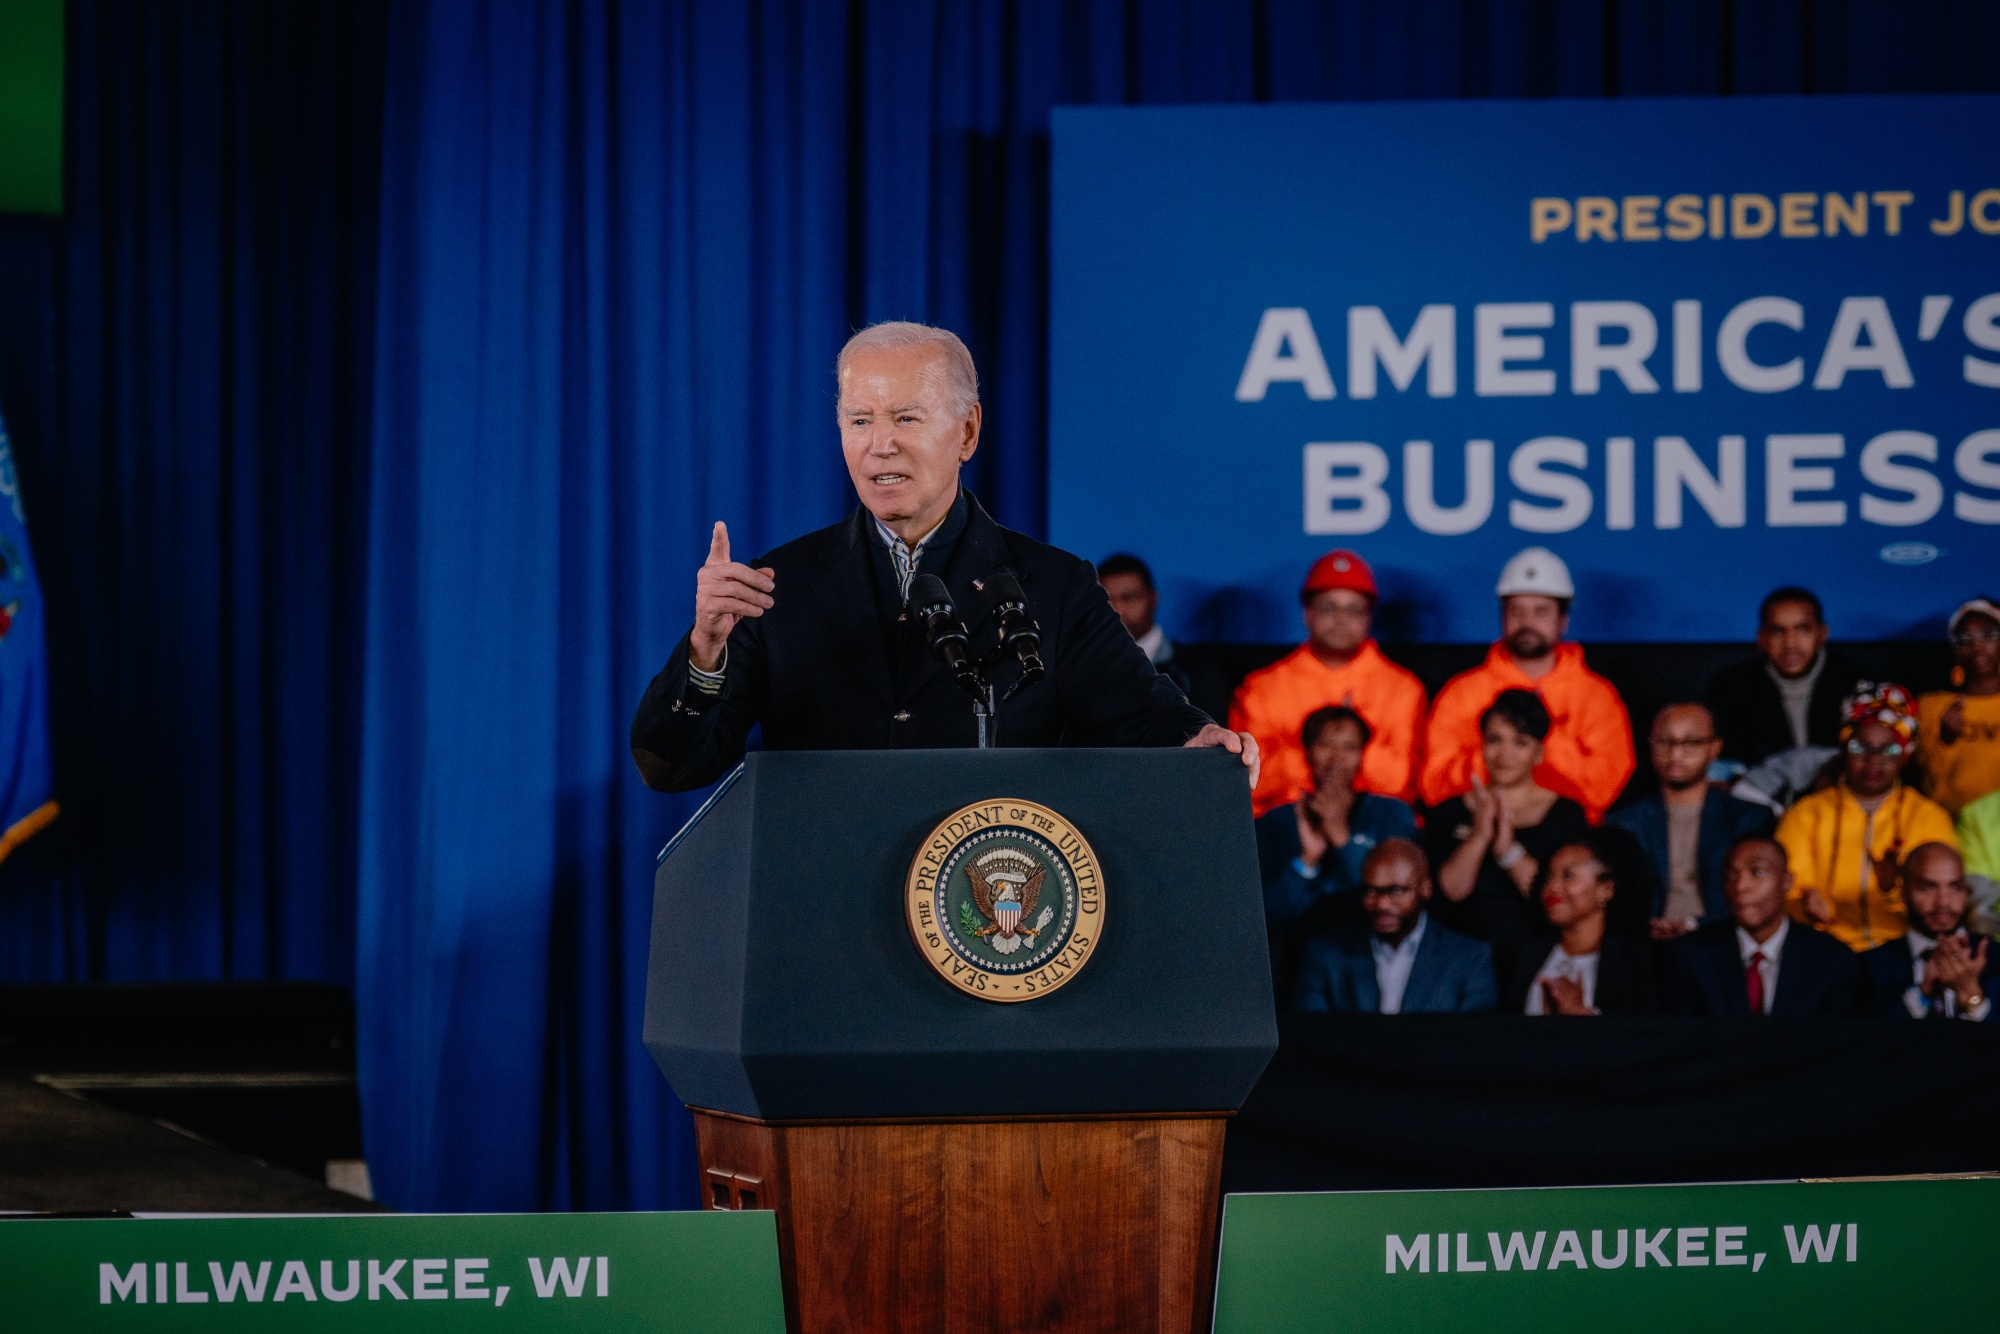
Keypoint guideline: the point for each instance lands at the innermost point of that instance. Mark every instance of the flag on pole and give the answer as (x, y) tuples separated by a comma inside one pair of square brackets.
[(27, 775)]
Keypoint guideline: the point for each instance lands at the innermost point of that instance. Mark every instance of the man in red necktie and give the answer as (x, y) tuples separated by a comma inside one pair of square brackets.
[(1760, 962)]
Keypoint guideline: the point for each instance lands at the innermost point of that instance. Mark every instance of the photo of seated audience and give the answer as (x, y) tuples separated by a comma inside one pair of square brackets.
[(1788, 696), (1339, 663), (1587, 752), (1397, 959), (1488, 846), (1311, 851), (1576, 965), (1759, 961), (1939, 969), (1845, 844), (1685, 830), (1958, 730)]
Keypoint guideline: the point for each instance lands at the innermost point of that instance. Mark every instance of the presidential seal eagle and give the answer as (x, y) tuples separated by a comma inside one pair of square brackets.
[(1006, 886)]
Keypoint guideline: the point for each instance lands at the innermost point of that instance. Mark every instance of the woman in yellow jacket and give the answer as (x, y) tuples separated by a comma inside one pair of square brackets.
[(1846, 844)]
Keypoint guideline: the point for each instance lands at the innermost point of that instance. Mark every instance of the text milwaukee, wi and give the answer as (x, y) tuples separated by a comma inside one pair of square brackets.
[(459, 1279), (1667, 1248)]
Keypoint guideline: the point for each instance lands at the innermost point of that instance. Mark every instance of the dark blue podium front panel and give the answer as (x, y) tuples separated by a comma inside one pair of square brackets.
[(784, 984)]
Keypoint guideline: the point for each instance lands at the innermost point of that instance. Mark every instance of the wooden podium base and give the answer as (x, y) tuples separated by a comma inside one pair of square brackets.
[(1004, 1225)]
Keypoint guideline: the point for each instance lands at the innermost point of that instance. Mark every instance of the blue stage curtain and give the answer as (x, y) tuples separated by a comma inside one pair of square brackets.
[(184, 363)]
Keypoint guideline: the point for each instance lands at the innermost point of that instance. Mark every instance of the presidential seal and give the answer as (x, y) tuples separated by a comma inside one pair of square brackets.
[(1005, 900)]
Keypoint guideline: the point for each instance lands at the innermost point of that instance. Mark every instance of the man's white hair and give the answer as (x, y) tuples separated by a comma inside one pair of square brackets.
[(961, 378)]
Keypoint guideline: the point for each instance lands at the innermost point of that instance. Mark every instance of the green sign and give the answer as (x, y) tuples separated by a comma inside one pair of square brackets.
[(31, 106), (714, 1272), (1826, 1256)]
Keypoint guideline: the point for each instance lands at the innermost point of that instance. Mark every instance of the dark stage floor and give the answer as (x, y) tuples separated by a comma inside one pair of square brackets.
[(203, 1098), (62, 1154)]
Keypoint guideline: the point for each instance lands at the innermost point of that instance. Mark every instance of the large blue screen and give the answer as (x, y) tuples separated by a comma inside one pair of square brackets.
[(1700, 348)]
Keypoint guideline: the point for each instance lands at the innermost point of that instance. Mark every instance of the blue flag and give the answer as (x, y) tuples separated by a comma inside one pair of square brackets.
[(27, 777)]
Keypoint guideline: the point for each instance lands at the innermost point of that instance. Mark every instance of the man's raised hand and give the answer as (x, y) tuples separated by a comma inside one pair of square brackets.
[(724, 593)]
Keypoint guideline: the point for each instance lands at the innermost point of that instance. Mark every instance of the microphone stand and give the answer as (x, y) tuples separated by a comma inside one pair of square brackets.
[(944, 634), (982, 712)]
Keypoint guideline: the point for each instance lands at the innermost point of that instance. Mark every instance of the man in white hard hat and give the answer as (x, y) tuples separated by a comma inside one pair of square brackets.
[(1588, 753)]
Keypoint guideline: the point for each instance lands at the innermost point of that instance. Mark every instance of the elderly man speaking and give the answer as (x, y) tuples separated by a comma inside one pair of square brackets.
[(816, 640)]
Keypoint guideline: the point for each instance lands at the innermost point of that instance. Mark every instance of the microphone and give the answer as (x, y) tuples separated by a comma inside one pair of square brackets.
[(1019, 635), (945, 636)]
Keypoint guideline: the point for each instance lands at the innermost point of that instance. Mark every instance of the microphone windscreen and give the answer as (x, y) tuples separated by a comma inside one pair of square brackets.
[(927, 592), (1003, 588)]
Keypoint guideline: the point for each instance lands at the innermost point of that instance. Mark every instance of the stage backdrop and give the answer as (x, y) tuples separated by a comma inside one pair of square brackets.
[(1697, 348)]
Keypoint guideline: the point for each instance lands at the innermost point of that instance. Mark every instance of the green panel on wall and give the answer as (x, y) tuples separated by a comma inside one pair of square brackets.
[(31, 106)]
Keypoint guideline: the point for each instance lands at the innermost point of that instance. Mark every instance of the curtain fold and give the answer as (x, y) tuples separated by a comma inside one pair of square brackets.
[(607, 282)]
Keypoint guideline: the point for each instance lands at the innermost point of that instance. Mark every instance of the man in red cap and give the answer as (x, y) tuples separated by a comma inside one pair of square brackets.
[(1338, 664)]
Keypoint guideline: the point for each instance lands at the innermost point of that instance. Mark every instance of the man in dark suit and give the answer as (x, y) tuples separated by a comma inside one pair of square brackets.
[(1788, 695), (1939, 970), (1760, 961), (1400, 962), (1128, 583), (1688, 826), (816, 642)]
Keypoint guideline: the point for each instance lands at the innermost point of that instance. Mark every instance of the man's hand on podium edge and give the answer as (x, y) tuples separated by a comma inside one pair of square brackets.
[(724, 593), (1236, 743)]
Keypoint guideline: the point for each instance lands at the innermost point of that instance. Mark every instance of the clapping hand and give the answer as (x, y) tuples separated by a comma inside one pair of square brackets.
[(1888, 872), (724, 593), (1312, 841), (1485, 805), (1955, 964), (1951, 723), (1563, 995)]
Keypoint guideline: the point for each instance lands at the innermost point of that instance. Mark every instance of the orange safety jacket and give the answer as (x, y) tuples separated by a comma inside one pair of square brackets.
[(1272, 704), (1588, 754)]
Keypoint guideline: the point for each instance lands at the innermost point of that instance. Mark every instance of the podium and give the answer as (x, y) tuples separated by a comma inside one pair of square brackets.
[(938, 1160)]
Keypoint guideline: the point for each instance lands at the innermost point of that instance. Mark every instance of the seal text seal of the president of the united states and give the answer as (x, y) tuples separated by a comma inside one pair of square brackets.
[(1005, 899)]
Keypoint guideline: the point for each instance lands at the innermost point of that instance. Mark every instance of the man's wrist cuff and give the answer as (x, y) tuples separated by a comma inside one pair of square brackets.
[(710, 683)]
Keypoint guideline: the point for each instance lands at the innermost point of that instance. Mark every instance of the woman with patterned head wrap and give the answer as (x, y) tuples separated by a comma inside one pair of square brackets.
[(1847, 843)]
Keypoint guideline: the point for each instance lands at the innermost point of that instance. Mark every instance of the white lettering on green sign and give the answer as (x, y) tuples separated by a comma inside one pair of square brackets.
[(1690, 1247), (462, 1278)]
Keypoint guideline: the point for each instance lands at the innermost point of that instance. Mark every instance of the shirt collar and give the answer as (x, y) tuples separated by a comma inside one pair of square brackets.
[(1152, 642), (905, 558), (1746, 944)]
